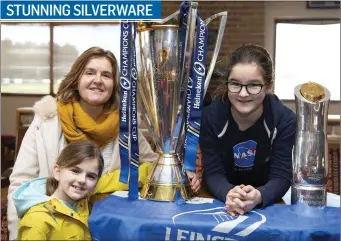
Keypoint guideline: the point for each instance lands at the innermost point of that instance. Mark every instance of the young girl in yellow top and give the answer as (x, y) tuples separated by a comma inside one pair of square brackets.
[(62, 214)]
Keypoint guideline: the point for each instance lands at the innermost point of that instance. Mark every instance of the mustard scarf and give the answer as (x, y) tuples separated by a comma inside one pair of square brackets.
[(78, 125)]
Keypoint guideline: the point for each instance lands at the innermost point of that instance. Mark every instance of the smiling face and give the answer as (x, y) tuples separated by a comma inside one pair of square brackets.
[(96, 84), (76, 182), (244, 103)]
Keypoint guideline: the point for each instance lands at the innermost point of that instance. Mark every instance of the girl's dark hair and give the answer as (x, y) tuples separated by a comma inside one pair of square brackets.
[(247, 54), (72, 155)]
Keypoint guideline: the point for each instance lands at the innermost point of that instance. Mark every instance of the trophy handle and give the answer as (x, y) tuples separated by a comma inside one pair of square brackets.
[(223, 20)]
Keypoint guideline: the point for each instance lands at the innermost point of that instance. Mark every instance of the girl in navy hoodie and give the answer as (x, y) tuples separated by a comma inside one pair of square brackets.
[(247, 135)]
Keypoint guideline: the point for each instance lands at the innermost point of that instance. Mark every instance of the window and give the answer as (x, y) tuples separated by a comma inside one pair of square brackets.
[(72, 40), (25, 58), (26, 51), (307, 51)]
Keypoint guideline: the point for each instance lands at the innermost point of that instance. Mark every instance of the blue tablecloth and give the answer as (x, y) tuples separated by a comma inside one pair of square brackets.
[(116, 218)]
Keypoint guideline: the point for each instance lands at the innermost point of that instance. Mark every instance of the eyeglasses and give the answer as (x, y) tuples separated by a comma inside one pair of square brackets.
[(252, 89)]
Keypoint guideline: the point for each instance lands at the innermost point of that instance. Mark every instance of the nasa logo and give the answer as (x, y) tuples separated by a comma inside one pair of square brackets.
[(244, 153)]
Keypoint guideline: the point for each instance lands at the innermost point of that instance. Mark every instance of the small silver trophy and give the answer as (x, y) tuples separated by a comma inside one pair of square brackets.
[(162, 83), (310, 160)]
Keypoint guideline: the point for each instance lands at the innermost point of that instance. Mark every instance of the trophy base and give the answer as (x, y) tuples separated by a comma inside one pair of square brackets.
[(309, 195), (165, 180)]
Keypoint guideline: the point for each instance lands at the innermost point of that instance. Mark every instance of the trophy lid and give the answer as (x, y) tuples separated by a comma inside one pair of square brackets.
[(312, 91)]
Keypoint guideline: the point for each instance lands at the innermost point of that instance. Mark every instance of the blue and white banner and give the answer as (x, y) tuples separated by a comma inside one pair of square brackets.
[(80, 10), (197, 81), (125, 99), (134, 141), (128, 137), (195, 86), (206, 219)]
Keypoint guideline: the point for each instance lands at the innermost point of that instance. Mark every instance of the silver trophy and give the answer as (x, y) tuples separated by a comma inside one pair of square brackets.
[(160, 84), (310, 161)]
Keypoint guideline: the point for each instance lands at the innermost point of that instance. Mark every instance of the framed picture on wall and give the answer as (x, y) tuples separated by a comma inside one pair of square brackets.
[(323, 4)]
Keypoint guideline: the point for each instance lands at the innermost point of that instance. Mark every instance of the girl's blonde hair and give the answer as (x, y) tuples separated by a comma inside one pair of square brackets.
[(72, 155), (68, 88)]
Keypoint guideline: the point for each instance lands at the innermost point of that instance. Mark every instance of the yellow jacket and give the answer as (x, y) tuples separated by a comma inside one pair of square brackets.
[(53, 220)]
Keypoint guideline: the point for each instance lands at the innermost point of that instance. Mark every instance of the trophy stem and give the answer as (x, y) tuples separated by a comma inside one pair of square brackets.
[(165, 179)]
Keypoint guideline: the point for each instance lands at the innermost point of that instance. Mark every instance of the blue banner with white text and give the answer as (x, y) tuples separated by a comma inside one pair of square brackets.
[(206, 219), (80, 10)]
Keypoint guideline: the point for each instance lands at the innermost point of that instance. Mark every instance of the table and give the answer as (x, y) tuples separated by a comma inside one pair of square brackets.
[(117, 218)]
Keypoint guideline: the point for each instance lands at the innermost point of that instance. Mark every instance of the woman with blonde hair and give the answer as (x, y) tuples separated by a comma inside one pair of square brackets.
[(85, 108), (62, 214)]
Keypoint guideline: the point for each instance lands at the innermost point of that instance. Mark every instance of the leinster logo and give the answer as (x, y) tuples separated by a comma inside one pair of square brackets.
[(215, 224), (244, 153)]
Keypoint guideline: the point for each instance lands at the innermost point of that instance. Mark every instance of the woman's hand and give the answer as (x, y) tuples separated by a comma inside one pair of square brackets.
[(194, 181)]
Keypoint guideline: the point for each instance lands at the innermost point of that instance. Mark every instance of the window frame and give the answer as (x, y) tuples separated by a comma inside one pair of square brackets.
[(51, 52)]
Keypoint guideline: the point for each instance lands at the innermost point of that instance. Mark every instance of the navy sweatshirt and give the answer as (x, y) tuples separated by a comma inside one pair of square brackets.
[(261, 156)]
